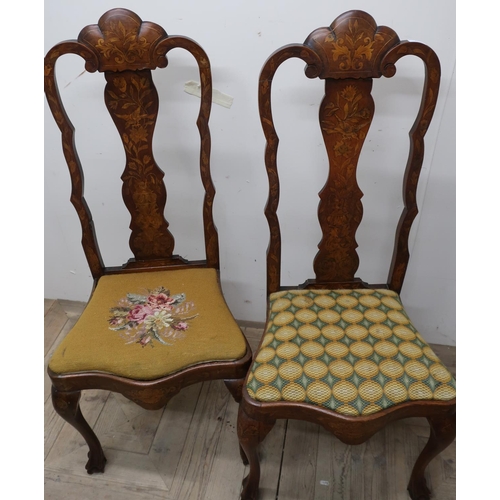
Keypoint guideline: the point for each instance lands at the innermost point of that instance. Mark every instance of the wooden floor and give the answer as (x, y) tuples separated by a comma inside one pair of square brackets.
[(189, 450)]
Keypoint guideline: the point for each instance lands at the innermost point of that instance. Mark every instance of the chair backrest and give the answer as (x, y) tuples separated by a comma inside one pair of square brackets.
[(126, 50), (347, 55)]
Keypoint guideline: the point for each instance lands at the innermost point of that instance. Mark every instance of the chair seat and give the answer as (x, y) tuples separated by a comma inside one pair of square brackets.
[(146, 325), (355, 352)]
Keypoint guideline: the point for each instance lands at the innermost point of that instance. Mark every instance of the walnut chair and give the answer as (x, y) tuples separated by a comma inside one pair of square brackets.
[(157, 323), (337, 351)]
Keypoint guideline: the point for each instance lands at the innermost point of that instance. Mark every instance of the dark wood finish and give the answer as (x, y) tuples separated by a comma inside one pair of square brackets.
[(251, 432), (132, 101), (353, 46), (235, 387), (345, 117), (126, 50), (67, 405), (155, 394), (265, 86), (347, 55), (401, 253), (443, 431)]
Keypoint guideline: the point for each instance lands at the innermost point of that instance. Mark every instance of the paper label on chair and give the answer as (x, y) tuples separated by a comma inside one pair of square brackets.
[(194, 88)]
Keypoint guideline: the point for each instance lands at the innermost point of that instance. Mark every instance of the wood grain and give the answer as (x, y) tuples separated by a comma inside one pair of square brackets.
[(345, 116), (54, 320), (300, 460), (47, 304)]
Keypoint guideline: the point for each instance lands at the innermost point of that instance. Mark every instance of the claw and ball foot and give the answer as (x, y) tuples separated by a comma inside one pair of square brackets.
[(67, 405), (443, 431)]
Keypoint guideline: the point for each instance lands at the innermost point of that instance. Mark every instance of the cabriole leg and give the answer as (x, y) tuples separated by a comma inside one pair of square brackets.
[(443, 431), (244, 458), (250, 433), (67, 405)]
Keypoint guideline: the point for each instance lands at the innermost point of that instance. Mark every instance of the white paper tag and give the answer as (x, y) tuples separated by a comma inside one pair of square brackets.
[(194, 88)]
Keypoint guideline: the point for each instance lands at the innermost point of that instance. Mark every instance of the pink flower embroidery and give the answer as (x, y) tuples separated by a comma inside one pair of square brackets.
[(145, 340), (152, 317), (182, 325), (139, 313), (160, 301), (116, 321)]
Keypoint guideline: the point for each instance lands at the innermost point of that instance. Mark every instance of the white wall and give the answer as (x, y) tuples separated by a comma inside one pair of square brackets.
[(238, 37)]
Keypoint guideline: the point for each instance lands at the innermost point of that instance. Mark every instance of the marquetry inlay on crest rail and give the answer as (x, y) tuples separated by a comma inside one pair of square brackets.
[(126, 50), (347, 55)]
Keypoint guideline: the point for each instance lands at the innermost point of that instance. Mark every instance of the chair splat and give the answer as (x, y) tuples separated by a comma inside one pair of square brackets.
[(348, 54), (127, 49), (132, 101), (345, 117)]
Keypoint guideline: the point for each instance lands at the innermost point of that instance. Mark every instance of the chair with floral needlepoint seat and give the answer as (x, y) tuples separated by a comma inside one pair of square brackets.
[(338, 351), (159, 322)]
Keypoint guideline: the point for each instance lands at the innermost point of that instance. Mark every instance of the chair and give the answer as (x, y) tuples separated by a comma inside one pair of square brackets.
[(337, 351), (159, 322)]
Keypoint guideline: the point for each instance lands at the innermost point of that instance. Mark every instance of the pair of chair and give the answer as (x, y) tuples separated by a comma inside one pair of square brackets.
[(336, 350)]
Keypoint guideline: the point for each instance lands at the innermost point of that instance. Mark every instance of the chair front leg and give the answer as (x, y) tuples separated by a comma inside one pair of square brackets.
[(443, 431), (235, 387), (251, 432), (67, 405)]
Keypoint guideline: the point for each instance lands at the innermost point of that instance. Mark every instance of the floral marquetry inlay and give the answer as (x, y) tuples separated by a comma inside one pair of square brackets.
[(133, 103), (127, 49), (345, 117), (123, 45), (123, 41), (348, 54), (352, 47), (354, 50)]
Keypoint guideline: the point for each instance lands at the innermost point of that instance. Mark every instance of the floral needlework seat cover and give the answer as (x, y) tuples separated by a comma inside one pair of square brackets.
[(355, 352), (144, 326)]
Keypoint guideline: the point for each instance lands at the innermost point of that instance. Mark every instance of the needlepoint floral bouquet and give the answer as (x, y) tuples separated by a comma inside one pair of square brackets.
[(153, 316)]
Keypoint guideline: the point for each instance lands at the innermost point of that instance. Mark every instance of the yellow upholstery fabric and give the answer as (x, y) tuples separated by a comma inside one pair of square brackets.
[(210, 333), (355, 352)]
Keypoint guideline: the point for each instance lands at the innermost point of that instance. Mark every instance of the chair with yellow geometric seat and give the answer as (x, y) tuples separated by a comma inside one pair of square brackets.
[(159, 322), (336, 350)]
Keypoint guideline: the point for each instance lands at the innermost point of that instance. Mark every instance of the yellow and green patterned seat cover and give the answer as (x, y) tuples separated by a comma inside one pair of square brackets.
[(355, 352)]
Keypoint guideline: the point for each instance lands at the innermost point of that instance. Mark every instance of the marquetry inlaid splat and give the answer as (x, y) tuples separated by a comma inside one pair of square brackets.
[(348, 54), (132, 100), (345, 117), (126, 49)]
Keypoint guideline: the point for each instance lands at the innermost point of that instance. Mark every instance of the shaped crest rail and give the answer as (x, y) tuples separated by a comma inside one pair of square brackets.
[(347, 55)]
